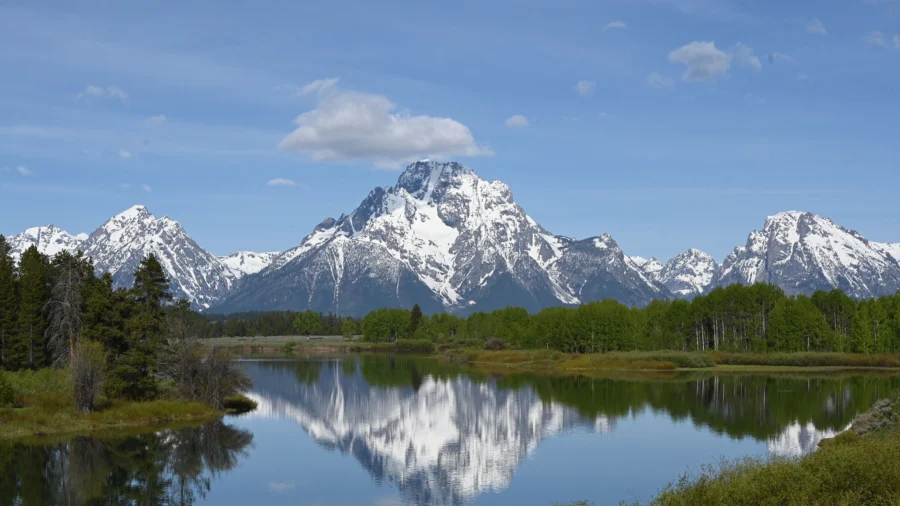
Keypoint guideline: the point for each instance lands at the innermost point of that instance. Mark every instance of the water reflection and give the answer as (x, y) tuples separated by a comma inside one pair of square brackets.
[(172, 467), (445, 435)]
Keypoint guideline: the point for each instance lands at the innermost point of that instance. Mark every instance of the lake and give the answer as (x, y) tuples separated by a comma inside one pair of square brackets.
[(381, 430)]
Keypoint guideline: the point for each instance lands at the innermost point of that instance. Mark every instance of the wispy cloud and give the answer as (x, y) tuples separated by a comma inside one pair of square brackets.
[(147, 188), (879, 39), (659, 81), (352, 125), (744, 56), (124, 154), (125, 186), (615, 25), (585, 88), (98, 92), (703, 60), (780, 58), (516, 121), (312, 88), (157, 120), (816, 26), (279, 181), (23, 170)]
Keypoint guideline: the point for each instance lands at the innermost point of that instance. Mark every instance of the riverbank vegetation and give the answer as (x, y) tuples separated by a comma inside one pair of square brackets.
[(860, 466), (757, 319), (77, 354)]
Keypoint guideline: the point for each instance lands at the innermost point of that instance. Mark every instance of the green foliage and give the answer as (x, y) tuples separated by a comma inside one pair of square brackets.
[(9, 301), (413, 346), (29, 347), (88, 372), (349, 329), (864, 471), (8, 394), (239, 404), (308, 323)]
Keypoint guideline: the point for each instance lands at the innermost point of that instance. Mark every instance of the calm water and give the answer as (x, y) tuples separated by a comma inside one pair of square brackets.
[(383, 431)]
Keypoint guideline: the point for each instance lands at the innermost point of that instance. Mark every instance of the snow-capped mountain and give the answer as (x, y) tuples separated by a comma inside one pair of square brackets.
[(688, 274), (49, 240), (596, 268), (242, 263), (120, 244), (802, 252), (446, 239), (650, 266)]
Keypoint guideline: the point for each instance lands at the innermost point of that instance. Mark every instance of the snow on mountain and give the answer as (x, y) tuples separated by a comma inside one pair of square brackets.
[(688, 274), (650, 266), (596, 268), (49, 240), (242, 263), (120, 244), (798, 439), (444, 229), (802, 252)]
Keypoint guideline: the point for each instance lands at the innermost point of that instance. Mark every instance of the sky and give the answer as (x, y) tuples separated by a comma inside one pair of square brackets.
[(669, 124)]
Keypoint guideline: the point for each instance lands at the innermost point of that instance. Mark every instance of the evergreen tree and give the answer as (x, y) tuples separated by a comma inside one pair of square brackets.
[(65, 308), (9, 299), (134, 373), (30, 349), (415, 319)]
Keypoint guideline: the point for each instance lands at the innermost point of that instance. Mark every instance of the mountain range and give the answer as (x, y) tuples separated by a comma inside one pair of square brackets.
[(445, 239)]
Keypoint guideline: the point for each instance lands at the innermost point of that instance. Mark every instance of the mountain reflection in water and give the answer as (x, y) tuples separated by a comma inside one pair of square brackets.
[(444, 435)]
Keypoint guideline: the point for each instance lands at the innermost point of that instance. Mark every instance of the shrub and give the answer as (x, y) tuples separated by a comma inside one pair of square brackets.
[(494, 344), (239, 404), (88, 373), (413, 346), (808, 359), (7, 392)]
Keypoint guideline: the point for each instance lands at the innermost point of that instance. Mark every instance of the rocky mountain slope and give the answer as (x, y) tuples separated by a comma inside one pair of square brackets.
[(688, 274), (802, 252), (242, 263), (446, 239), (49, 240)]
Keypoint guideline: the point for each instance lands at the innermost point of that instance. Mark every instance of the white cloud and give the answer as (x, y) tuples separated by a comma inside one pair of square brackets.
[(278, 181), (876, 38), (318, 86), (516, 121), (585, 88), (351, 125), (816, 26), (615, 25), (110, 92), (658, 81), (156, 120), (125, 186), (147, 188), (23, 170), (124, 154), (780, 58), (745, 57), (702, 59)]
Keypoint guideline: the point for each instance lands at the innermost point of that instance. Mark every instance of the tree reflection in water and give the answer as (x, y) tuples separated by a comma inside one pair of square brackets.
[(172, 466)]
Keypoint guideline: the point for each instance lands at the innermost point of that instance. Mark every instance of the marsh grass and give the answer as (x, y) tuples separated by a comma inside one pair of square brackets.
[(807, 359), (48, 408)]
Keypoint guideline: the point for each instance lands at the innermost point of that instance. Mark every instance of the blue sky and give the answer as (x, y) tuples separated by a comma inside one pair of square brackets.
[(669, 124)]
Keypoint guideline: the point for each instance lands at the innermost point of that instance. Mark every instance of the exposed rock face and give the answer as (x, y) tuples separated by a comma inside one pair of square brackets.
[(803, 252)]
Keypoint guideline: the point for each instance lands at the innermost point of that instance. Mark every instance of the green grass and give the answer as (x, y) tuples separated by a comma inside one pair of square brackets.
[(810, 359), (48, 408), (239, 404)]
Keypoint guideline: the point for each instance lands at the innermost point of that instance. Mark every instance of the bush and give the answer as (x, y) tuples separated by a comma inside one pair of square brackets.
[(8, 394), (239, 404), (413, 346), (88, 373), (494, 344), (808, 359)]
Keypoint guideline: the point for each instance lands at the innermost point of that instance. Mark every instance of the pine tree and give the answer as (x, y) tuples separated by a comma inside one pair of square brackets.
[(134, 374), (415, 319), (34, 292), (8, 303), (66, 305)]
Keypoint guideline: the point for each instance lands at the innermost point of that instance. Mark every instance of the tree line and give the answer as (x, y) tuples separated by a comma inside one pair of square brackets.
[(738, 318), (124, 343)]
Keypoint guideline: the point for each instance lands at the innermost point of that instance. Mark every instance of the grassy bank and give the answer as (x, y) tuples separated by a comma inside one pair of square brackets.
[(860, 466), (44, 406)]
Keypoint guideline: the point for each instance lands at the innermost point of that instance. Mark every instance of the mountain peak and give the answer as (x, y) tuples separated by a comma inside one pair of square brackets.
[(133, 212), (421, 177)]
